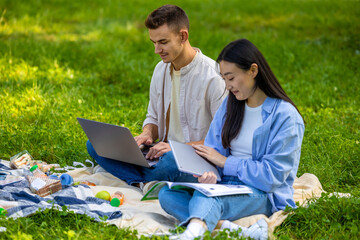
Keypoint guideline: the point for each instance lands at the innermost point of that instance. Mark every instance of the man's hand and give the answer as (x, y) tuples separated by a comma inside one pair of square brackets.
[(207, 177), (148, 135), (143, 138), (210, 154), (158, 150)]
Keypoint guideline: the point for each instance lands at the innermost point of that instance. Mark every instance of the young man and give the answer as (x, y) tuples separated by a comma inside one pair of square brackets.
[(185, 92)]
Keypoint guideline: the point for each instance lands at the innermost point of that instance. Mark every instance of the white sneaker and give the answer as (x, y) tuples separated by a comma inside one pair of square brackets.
[(257, 231), (193, 230), (183, 236), (179, 237)]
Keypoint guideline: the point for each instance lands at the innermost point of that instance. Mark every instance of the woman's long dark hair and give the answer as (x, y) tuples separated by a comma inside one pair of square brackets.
[(243, 53)]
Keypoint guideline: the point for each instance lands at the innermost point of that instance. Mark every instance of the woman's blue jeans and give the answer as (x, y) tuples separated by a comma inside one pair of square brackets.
[(164, 170), (185, 205)]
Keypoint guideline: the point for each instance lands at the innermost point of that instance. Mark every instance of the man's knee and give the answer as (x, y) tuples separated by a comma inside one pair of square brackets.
[(168, 161)]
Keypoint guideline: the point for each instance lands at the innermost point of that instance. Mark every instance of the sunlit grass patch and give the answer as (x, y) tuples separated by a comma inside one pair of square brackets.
[(25, 25), (13, 70), (60, 60), (27, 103)]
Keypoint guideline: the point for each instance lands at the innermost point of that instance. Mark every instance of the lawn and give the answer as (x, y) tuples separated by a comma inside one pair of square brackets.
[(65, 59)]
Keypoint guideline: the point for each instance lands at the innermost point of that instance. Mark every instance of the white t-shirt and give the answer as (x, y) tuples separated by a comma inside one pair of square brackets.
[(241, 146), (175, 130)]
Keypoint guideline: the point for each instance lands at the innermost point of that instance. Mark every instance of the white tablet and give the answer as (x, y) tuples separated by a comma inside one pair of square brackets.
[(189, 161)]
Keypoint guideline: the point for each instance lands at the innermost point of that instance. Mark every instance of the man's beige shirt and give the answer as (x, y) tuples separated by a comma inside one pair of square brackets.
[(201, 92)]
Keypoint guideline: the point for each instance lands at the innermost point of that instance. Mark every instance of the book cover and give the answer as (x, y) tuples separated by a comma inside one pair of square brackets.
[(210, 190)]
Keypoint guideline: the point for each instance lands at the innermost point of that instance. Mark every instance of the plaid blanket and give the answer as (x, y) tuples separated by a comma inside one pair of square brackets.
[(19, 201)]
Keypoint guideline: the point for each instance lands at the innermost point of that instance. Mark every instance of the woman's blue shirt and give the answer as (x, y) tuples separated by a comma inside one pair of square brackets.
[(276, 151)]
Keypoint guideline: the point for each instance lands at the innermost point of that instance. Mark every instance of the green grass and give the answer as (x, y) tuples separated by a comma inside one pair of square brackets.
[(53, 224), (65, 59), (329, 217)]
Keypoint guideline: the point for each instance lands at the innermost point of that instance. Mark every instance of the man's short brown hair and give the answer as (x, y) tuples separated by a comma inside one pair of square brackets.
[(172, 15)]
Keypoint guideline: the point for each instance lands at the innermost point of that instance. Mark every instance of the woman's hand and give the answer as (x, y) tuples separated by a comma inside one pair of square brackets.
[(210, 154), (207, 177)]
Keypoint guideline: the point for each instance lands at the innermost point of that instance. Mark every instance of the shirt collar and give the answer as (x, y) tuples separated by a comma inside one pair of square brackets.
[(269, 104), (192, 64)]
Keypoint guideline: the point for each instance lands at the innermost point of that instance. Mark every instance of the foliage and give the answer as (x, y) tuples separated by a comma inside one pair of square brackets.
[(62, 59), (65, 224), (329, 217)]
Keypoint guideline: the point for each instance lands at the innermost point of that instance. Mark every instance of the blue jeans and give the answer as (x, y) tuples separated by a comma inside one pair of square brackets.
[(185, 205), (164, 170)]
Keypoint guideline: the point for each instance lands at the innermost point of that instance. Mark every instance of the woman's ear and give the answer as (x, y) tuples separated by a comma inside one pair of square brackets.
[(254, 69)]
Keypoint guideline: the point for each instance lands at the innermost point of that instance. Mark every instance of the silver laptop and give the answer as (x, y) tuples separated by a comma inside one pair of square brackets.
[(189, 161), (114, 142)]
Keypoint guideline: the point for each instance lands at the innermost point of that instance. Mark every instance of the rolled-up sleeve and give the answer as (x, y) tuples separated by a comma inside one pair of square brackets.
[(152, 111)]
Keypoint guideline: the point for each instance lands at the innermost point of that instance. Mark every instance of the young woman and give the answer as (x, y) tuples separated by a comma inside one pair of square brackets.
[(254, 139)]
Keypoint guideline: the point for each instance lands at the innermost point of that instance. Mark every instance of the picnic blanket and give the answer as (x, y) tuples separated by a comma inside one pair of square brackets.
[(147, 217), (19, 201)]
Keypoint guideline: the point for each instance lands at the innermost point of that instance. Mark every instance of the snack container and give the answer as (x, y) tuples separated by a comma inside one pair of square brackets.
[(21, 160), (48, 167), (37, 172), (117, 199), (88, 183), (44, 186)]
